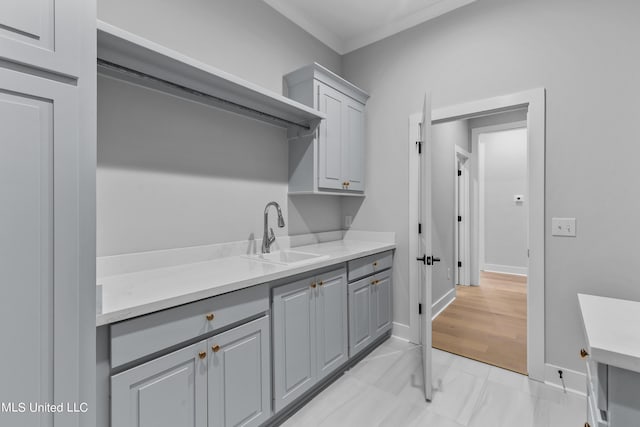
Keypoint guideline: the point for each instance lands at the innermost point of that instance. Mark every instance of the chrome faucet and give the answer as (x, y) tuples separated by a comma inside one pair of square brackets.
[(267, 240)]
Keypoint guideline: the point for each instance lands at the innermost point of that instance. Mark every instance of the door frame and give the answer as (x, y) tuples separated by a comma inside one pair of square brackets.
[(534, 101), (466, 216), (478, 164)]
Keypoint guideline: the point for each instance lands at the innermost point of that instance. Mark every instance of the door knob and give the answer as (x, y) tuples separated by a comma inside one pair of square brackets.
[(432, 260)]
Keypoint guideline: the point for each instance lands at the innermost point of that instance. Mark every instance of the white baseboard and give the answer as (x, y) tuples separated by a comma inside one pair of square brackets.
[(401, 331), (575, 382), (508, 269), (439, 306)]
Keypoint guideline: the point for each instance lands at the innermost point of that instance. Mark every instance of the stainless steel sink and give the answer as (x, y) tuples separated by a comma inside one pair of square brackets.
[(288, 257)]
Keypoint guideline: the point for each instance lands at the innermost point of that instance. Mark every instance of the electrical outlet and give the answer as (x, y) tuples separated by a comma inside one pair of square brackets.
[(563, 227), (348, 219)]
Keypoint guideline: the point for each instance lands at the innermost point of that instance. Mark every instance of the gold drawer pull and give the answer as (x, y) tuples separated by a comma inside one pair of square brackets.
[(375, 282), (583, 353), (215, 348), (202, 354), (313, 285), (210, 317)]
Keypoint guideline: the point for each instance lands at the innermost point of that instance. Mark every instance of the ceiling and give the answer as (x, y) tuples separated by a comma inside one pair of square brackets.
[(346, 25)]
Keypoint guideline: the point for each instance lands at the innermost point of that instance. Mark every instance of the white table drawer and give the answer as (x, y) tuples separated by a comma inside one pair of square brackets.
[(368, 265), (145, 335)]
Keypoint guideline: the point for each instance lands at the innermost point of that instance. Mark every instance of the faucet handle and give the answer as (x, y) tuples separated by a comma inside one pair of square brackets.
[(272, 237)]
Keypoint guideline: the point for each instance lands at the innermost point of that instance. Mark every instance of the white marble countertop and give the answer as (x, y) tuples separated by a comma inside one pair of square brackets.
[(133, 294), (611, 330)]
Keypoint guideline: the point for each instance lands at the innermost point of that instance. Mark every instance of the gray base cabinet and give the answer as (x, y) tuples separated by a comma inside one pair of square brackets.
[(309, 333), (369, 310), (239, 376), (220, 382), (166, 392)]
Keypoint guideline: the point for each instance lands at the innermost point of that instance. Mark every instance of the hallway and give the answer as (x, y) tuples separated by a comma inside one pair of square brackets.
[(487, 323)]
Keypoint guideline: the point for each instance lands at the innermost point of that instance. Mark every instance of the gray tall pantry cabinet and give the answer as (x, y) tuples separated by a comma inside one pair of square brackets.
[(47, 212), (330, 161)]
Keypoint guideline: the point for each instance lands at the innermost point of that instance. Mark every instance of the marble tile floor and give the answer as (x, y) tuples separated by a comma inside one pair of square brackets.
[(385, 389)]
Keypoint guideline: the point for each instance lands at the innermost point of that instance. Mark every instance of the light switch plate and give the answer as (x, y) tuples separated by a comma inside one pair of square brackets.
[(563, 227)]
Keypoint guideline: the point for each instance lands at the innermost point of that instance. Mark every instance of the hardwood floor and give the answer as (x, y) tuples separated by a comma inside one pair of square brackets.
[(487, 323)]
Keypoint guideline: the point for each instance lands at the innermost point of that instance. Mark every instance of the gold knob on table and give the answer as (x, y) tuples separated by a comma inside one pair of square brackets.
[(210, 317), (202, 354), (215, 348), (583, 353), (313, 285)]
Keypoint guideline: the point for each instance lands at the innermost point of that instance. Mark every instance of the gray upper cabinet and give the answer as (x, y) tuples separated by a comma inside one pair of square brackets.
[(166, 392), (309, 333), (330, 161), (240, 376)]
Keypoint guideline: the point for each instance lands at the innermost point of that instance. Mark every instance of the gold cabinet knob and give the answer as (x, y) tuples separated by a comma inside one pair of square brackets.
[(320, 283), (202, 354), (583, 353), (215, 348), (587, 425), (373, 282), (313, 285), (348, 183), (375, 263), (210, 317)]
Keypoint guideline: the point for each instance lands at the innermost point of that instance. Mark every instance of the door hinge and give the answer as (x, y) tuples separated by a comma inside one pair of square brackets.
[(419, 228), (419, 144), (459, 172), (459, 218), (459, 263), (419, 308), (424, 259)]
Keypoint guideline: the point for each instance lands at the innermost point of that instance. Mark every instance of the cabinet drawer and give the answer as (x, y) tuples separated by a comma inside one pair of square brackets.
[(366, 266), (145, 335)]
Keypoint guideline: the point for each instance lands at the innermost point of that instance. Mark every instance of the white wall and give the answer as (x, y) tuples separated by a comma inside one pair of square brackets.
[(504, 174), (174, 173), (445, 137), (583, 53)]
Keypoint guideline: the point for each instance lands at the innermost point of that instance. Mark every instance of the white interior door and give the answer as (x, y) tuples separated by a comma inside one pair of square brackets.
[(424, 245)]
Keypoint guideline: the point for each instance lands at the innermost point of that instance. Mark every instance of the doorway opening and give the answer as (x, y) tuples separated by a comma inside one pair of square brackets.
[(458, 238)]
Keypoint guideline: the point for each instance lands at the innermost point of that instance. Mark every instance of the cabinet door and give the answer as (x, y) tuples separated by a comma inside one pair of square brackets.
[(360, 315), (38, 159), (353, 145), (44, 33), (294, 349), (382, 304), (166, 392), (330, 136), (331, 322), (239, 382)]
